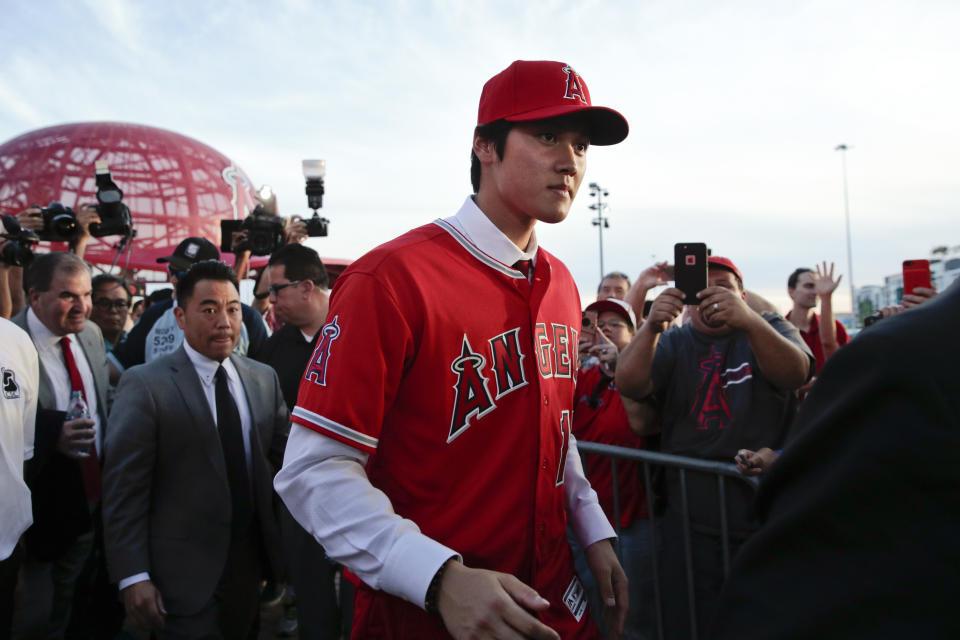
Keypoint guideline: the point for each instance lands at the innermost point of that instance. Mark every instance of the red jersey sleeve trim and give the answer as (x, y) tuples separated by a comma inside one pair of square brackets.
[(333, 429)]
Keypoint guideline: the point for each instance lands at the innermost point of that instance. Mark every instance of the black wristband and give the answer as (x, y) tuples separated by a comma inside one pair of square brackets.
[(430, 600), (262, 296)]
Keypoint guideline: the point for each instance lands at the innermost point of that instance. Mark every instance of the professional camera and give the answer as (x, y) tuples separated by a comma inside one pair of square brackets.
[(115, 219), (314, 172), (17, 250), (264, 233), (59, 223)]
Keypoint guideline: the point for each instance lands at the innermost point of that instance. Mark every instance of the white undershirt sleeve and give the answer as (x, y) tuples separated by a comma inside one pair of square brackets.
[(325, 487), (584, 512)]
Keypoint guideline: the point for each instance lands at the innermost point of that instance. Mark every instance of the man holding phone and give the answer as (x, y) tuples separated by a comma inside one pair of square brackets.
[(724, 381)]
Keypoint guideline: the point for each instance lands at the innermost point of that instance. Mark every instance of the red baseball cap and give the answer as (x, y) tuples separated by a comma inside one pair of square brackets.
[(539, 89), (725, 264)]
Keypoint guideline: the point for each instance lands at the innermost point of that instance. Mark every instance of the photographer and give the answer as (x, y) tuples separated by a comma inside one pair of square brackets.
[(32, 218), (294, 231)]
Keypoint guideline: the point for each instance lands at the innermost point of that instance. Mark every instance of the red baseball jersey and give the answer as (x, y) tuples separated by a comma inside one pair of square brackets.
[(599, 416), (456, 374)]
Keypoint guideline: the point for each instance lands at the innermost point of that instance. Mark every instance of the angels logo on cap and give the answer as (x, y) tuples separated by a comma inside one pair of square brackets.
[(540, 89), (192, 250), (573, 90)]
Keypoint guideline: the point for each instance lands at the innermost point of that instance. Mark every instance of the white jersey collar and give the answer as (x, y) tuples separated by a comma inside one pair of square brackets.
[(473, 224)]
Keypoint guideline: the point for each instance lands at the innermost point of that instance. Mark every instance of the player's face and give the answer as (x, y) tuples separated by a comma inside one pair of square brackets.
[(541, 170), (805, 294), (211, 318), (64, 307)]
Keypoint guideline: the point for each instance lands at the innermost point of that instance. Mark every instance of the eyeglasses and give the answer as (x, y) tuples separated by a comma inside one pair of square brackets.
[(106, 304), (275, 289)]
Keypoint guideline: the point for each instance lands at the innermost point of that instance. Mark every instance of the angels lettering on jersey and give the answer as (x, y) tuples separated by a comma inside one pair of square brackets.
[(711, 408), (485, 372), (483, 378)]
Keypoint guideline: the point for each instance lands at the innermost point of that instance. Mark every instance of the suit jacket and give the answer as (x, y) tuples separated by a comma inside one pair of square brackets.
[(166, 497), (60, 508)]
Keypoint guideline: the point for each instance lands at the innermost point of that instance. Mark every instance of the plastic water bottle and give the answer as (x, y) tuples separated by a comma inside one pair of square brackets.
[(78, 409)]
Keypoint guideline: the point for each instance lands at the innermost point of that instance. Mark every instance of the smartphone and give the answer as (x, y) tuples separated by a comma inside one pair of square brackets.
[(916, 273), (690, 269)]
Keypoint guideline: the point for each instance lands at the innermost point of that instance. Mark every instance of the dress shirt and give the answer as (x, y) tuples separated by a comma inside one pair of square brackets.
[(51, 357), (207, 370), (324, 483)]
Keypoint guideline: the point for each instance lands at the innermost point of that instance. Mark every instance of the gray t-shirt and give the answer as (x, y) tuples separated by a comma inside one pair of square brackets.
[(716, 401)]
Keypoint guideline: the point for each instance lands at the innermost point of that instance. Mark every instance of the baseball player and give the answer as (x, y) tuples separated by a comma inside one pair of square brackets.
[(431, 451)]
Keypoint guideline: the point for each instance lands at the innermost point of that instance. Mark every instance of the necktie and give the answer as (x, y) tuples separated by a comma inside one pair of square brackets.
[(231, 439), (524, 266), (89, 466)]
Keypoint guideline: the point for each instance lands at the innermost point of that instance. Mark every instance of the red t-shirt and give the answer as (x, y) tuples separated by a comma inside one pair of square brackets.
[(812, 338), (603, 419), (456, 374)]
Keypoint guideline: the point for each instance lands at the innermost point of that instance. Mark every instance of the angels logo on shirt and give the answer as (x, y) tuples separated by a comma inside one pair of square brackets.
[(711, 406), (317, 370)]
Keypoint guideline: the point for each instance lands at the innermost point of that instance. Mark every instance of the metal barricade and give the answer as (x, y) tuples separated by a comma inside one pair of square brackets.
[(682, 464)]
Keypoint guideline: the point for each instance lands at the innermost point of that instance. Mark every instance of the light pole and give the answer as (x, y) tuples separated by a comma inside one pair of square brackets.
[(842, 148), (601, 222)]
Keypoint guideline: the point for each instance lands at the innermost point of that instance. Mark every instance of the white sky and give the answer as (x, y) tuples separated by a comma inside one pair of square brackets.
[(735, 109)]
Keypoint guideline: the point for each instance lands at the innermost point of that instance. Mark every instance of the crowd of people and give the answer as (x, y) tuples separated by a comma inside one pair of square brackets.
[(398, 458)]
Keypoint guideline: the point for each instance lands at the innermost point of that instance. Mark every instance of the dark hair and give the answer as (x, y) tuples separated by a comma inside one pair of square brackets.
[(40, 273), (159, 296), (139, 303), (792, 280), (203, 270), (301, 263), (496, 132), (105, 279), (614, 274)]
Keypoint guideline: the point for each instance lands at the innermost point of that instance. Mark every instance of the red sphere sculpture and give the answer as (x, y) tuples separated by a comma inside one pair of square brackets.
[(175, 186)]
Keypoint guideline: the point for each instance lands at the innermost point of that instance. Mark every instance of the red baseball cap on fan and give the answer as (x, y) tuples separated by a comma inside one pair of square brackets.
[(535, 90), (726, 264)]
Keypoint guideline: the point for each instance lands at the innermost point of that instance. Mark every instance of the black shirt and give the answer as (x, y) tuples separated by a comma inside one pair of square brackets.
[(288, 352)]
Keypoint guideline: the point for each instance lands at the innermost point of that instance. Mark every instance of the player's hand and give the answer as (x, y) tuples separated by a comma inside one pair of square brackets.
[(606, 352), (654, 275), (918, 297), (144, 605), (612, 581), (476, 603), (664, 310), (721, 306), (76, 436), (754, 463), (31, 218), (823, 282)]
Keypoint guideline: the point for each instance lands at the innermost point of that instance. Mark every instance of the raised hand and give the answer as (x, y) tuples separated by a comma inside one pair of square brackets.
[(823, 282)]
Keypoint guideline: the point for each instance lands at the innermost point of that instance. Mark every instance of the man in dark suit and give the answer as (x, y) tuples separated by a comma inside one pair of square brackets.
[(862, 510), (64, 474), (195, 439)]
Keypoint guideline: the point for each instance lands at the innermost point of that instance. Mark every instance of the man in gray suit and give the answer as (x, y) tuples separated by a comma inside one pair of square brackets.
[(195, 439), (64, 474)]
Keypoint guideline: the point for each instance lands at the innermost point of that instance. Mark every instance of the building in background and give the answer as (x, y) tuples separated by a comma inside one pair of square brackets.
[(944, 269)]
